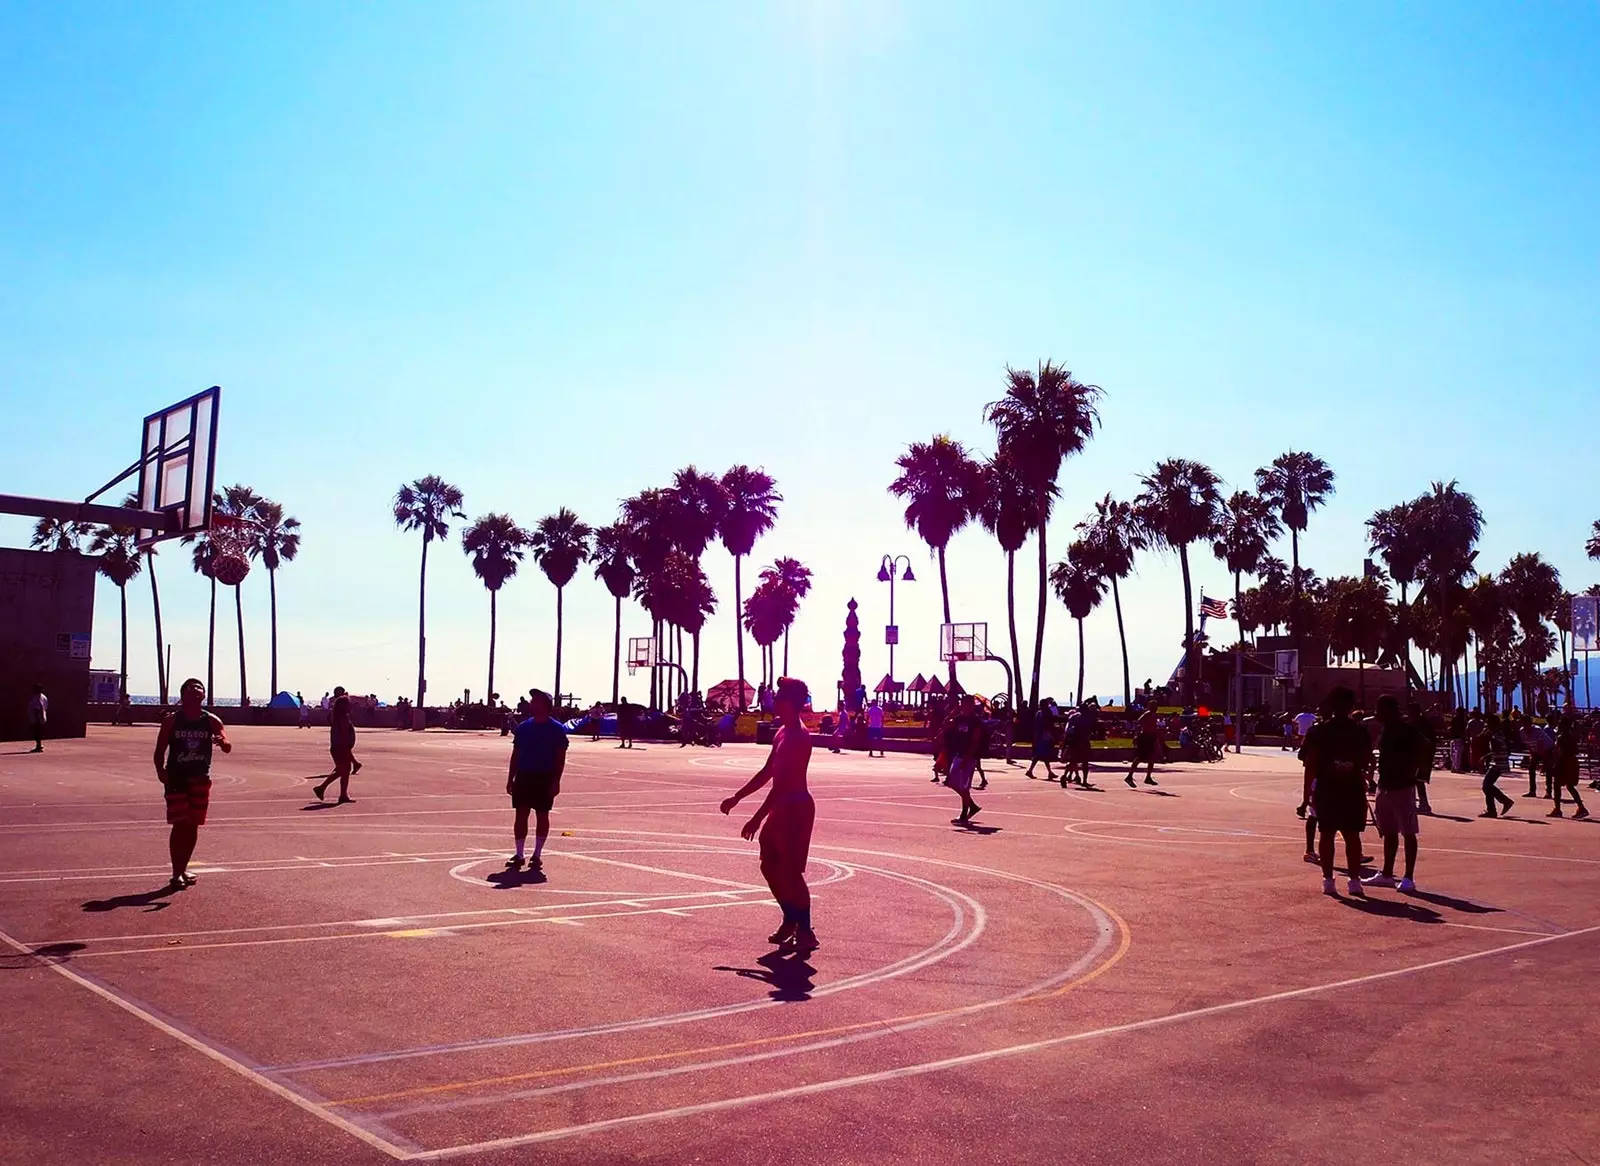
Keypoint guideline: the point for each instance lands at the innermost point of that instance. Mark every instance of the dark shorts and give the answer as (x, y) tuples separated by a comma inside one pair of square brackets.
[(187, 800), (786, 836), (1080, 750), (535, 791), (1144, 747), (874, 734), (343, 757), (1340, 811), (1043, 749)]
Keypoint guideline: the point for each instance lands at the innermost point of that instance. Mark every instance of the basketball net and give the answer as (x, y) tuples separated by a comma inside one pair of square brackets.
[(230, 549)]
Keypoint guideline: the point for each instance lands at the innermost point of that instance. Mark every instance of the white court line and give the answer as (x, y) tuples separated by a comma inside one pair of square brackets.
[(677, 874), (966, 1059), (220, 1057)]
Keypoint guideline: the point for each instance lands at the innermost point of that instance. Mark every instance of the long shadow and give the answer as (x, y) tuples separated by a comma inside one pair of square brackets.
[(973, 827), (1436, 815), (1393, 910), (17, 752), (505, 880), (156, 900), (789, 974), (1162, 793), (50, 953), (1466, 906), (319, 806)]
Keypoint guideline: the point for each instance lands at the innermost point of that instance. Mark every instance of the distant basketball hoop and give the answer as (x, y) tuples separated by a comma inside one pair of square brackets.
[(641, 653), (963, 641), (229, 538)]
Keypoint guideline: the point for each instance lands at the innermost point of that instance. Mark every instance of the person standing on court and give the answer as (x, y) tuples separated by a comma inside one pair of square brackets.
[(1336, 752), (1566, 768), (963, 738), (342, 745), (183, 764), (1146, 744), (38, 715), (1401, 746), (785, 818), (538, 758), (875, 729)]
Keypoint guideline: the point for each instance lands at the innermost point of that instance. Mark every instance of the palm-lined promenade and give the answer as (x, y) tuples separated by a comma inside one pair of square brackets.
[(1422, 604)]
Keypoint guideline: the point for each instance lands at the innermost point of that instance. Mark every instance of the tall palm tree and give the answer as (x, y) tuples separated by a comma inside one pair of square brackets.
[(796, 577), (495, 544), (692, 602), (1562, 618), (1592, 546), (769, 608), (55, 534), (752, 508), (941, 483), (1008, 510), (613, 566), (699, 503), (651, 518), (1045, 417), (1295, 484), (1532, 591), (202, 554), (131, 501), (1396, 534), (1246, 526), (1114, 536), (275, 540), (1490, 620), (560, 542), (1079, 583), (119, 562), (238, 502), (427, 505), (1358, 616), (1179, 505)]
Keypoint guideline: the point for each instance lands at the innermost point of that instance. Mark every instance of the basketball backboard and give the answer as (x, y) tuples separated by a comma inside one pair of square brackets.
[(641, 653), (178, 464), (964, 641)]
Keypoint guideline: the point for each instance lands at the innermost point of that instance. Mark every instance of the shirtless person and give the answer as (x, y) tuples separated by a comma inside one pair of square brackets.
[(788, 812), (183, 763)]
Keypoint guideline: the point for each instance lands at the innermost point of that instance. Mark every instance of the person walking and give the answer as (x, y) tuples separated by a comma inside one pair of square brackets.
[(627, 714), (1541, 747), (1336, 752), (183, 766), (962, 739), (1043, 745), (1146, 744), (1425, 754), (533, 778), (875, 729), (1400, 746), (38, 716), (342, 745), (785, 818), (1566, 768)]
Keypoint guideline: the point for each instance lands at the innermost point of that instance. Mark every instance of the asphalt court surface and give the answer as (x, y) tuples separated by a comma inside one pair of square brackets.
[(1084, 975)]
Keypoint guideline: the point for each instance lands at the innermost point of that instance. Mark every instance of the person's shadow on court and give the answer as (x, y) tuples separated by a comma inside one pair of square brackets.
[(1465, 906), (504, 880), (790, 975), (1393, 909), (50, 953), (156, 900), (972, 827)]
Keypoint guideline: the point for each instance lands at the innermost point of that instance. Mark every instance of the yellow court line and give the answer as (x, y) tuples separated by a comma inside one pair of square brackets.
[(966, 1009)]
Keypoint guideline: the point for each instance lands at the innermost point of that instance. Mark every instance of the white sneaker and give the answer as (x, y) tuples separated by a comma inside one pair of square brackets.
[(1355, 889), (1407, 885), (1328, 887), (1381, 880)]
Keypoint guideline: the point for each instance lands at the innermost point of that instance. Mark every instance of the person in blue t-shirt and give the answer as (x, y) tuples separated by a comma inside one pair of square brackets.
[(538, 756)]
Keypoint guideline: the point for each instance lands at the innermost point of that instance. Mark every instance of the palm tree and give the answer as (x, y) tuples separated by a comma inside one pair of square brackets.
[(1008, 510), (1079, 583), (275, 540), (1357, 610), (941, 484), (203, 554), (650, 518), (1044, 418), (796, 577), (1395, 533), (131, 501), (752, 508), (560, 542), (55, 534), (238, 502), (1179, 505), (1562, 618), (698, 505), (1449, 523), (613, 566), (427, 505), (495, 544), (1532, 591), (1114, 536), (119, 562), (1490, 621), (1294, 485), (692, 602), (769, 608), (1246, 526), (1592, 546)]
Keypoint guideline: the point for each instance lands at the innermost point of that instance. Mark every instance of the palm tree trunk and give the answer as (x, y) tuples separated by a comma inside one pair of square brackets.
[(1011, 624), (1044, 592), (161, 646), (694, 683), (211, 648), (1188, 627), (238, 610), (786, 649), (1361, 673), (1080, 661), (1238, 666), (1122, 636), (560, 616), (944, 590), (1405, 642), (272, 591), (122, 596), (422, 629), (1294, 581), (494, 619), (738, 625), (616, 656)]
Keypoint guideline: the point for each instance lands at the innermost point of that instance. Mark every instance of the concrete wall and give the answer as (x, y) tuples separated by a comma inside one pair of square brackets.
[(46, 621)]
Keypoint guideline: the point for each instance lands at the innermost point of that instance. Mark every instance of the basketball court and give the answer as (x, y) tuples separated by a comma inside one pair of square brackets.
[(1079, 976)]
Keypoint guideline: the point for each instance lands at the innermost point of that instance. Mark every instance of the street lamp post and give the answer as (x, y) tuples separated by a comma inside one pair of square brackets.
[(886, 574)]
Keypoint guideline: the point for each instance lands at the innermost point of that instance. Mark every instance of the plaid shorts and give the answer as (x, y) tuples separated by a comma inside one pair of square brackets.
[(188, 800)]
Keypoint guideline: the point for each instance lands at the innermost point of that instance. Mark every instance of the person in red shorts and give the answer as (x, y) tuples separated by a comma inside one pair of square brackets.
[(183, 763), (788, 814)]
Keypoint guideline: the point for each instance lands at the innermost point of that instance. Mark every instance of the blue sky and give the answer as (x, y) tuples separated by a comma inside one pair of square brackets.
[(553, 252)]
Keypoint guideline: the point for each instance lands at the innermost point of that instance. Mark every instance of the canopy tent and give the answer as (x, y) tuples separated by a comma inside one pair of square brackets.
[(889, 687), (727, 693), (935, 687), (284, 700), (920, 684)]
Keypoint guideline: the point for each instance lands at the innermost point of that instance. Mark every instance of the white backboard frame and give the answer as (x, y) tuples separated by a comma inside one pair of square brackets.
[(177, 468)]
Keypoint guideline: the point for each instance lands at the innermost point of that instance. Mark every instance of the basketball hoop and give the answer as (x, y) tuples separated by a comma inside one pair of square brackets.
[(230, 549)]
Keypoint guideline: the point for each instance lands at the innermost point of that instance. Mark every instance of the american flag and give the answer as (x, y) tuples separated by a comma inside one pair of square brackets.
[(1213, 608)]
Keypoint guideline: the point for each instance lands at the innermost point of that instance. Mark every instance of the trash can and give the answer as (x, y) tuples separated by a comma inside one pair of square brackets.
[(765, 732)]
